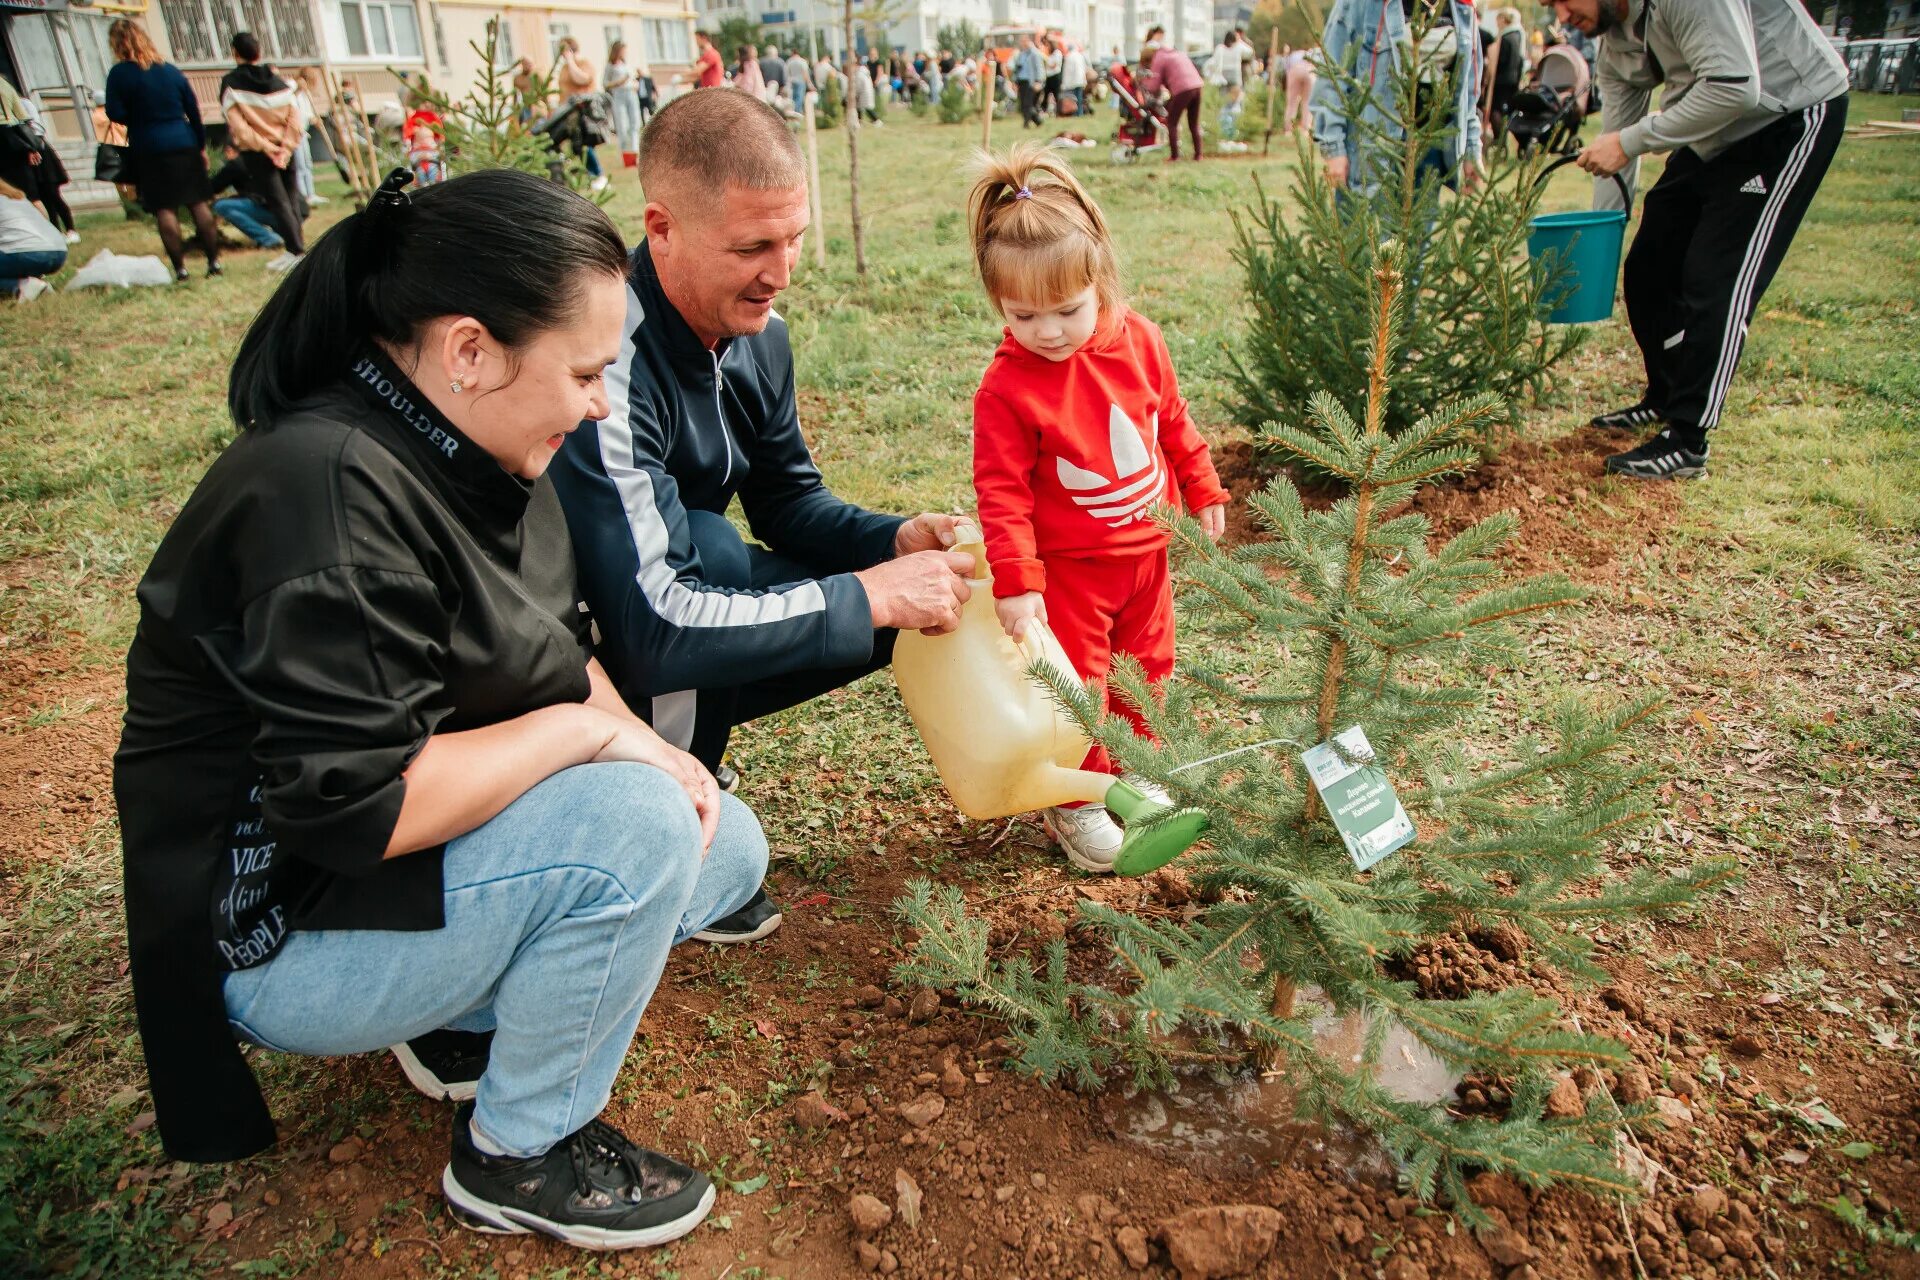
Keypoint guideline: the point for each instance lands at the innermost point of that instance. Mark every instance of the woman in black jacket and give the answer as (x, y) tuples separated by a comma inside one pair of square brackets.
[(372, 789)]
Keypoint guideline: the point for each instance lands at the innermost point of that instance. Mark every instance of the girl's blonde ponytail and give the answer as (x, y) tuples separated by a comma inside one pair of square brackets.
[(1037, 235)]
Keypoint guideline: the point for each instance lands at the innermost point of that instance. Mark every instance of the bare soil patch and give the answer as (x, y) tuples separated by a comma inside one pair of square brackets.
[(1573, 517), (808, 1091)]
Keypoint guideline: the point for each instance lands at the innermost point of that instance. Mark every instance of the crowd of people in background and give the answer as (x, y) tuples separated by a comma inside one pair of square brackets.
[(265, 187)]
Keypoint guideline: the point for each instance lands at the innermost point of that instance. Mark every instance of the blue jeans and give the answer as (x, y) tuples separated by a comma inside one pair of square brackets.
[(15, 267), (252, 220), (626, 119), (1230, 119), (559, 916), (799, 92)]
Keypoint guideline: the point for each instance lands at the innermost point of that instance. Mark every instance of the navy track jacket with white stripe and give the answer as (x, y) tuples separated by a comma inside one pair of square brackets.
[(690, 429)]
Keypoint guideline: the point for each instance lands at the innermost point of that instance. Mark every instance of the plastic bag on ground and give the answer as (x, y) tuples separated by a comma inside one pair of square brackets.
[(107, 269)]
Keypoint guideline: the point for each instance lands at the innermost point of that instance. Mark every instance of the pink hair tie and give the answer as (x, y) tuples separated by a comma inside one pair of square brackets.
[(1023, 194)]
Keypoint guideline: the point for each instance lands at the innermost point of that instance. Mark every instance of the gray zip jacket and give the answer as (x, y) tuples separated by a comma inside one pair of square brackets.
[(1730, 67)]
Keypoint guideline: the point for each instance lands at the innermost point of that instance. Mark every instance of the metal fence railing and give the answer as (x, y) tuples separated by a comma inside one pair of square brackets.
[(1882, 66)]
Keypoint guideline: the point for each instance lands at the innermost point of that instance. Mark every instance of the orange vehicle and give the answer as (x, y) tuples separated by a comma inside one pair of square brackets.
[(1004, 42)]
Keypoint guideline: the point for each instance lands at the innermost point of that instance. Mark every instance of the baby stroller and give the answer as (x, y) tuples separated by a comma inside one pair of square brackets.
[(581, 122), (1143, 122), (1550, 109)]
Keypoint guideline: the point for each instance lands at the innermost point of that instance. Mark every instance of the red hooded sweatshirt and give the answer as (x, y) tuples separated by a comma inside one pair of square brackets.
[(1071, 459)]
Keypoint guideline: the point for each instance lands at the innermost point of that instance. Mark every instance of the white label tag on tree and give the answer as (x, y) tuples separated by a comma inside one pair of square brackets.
[(1367, 813)]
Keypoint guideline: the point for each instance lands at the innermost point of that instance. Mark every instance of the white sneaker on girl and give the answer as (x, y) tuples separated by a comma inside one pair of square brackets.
[(1088, 835)]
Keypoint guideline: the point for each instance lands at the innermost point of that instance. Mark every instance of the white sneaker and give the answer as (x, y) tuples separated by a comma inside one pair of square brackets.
[(285, 262), (317, 201), (598, 184), (73, 237), (32, 287), (1088, 836)]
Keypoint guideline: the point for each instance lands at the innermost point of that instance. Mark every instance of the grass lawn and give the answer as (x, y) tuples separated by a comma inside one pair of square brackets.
[(1774, 600)]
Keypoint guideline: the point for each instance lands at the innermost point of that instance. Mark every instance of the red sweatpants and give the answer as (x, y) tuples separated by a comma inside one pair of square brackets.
[(1115, 604)]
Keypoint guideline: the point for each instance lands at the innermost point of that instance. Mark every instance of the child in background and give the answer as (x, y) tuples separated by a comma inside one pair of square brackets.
[(424, 133), (1079, 435)]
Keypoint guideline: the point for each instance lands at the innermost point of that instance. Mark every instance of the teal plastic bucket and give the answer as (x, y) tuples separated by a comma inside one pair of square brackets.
[(1589, 243)]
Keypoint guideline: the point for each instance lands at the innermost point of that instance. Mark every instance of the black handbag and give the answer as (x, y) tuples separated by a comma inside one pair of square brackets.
[(17, 142), (113, 164)]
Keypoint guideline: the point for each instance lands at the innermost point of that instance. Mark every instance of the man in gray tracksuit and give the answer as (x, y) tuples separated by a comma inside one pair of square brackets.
[(1753, 109)]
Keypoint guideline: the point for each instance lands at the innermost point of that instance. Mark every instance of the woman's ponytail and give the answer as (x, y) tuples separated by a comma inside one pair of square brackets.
[(302, 337), (509, 249)]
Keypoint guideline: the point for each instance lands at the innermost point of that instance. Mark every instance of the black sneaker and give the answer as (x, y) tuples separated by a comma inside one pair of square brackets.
[(215, 271), (1631, 418), (728, 777), (1662, 458), (446, 1065), (749, 924), (593, 1190)]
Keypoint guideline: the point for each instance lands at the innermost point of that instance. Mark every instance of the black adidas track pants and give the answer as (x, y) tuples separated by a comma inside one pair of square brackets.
[(1712, 233)]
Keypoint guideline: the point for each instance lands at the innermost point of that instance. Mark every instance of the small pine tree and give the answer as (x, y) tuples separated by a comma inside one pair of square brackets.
[(1352, 618), (488, 129), (1475, 319), (957, 105)]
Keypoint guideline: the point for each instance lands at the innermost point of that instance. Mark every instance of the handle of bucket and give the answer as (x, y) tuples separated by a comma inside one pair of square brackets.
[(1626, 192)]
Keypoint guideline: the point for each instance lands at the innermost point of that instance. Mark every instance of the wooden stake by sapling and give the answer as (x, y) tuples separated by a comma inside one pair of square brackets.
[(342, 139), (988, 72), (372, 156), (813, 182), (1276, 85), (853, 150)]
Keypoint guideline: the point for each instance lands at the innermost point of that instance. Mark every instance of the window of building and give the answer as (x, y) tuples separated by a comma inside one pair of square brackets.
[(504, 52), (556, 32), (199, 31), (614, 33), (380, 28), (667, 40)]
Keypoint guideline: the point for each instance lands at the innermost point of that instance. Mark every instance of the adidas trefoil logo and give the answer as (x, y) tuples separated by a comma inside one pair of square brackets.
[(1754, 186), (1137, 481)]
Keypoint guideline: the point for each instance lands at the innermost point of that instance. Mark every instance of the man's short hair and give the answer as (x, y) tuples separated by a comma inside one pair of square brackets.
[(711, 139), (246, 46)]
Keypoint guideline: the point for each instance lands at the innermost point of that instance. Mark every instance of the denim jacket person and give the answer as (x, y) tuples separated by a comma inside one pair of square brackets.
[(1369, 38)]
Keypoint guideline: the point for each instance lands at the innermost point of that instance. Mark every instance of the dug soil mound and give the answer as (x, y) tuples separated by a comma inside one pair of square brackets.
[(1573, 517)]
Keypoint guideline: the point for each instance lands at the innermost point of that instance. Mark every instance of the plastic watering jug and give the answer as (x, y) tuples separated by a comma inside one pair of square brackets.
[(1000, 741)]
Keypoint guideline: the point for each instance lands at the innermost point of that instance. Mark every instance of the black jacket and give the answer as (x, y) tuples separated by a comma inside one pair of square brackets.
[(232, 174), (342, 584), (691, 429)]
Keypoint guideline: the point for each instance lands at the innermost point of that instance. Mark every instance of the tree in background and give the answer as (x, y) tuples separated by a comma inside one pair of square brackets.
[(490, 127), (733, 32), (1476, 305), (961, 39), (1863, 19), (1299, 22), (1350, 617)]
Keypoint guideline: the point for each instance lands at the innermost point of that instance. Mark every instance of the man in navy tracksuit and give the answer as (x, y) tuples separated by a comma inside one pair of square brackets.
[(1753, 102), (700, 630)]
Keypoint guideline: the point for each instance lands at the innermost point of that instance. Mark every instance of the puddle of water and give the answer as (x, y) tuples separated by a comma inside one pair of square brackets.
[(1252, 1119)]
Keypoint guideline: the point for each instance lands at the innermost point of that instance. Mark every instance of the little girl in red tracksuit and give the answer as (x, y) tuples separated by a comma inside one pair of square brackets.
[(1079, 435)]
